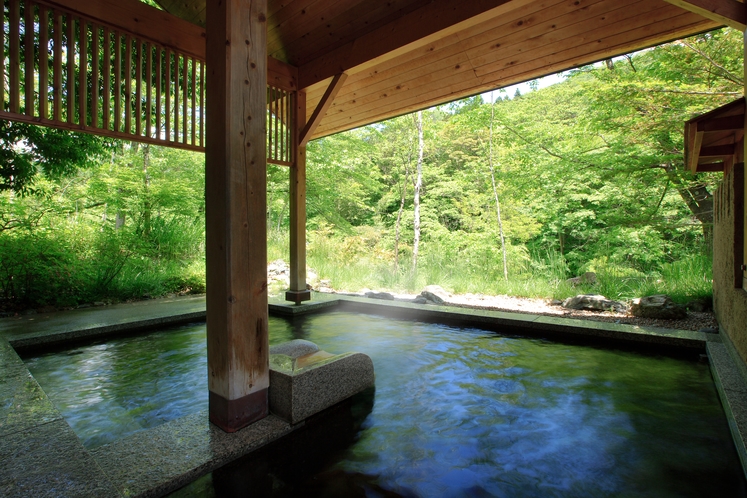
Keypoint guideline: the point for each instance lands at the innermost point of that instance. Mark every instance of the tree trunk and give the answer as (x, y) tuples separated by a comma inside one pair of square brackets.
[(146, 185), (418, 186), (495, 193), (399, 222), (697, 198)]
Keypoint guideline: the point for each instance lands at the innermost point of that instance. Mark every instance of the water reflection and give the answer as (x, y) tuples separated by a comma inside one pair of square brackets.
[(458, 412)]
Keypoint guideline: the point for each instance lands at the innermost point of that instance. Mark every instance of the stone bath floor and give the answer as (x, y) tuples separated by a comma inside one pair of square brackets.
[(40, 455)]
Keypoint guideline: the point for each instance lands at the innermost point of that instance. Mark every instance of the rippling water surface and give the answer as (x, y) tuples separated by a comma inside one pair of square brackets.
[(457, 412)]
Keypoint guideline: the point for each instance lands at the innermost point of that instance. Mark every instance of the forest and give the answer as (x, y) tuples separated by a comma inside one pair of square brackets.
[(508, 192)]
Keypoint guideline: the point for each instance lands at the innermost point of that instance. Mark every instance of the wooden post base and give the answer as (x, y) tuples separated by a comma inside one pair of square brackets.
[(232, 415), (298, 296)]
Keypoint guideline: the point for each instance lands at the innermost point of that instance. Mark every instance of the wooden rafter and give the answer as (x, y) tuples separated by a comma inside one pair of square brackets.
[(321, 108), (728, 12)]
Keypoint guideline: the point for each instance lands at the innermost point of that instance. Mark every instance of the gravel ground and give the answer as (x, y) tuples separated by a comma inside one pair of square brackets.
[(694, 320)]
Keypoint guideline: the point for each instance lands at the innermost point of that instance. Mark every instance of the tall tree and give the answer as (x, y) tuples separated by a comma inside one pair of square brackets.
[(418, 187), (495, 191)]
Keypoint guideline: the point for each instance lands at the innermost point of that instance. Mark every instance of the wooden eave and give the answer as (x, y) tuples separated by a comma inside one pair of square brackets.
[(714, 140), (405, 55)]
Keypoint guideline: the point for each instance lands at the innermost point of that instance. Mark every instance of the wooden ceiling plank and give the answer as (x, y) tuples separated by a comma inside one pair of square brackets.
[(615, 23), (340, 27), (608, 47), (729, 123), (607, 42), (437, 70), (512, 31), (710, 167), (565, 29), (322, 107), (411, 27), (727, 12), (297, 19), (142, 20)]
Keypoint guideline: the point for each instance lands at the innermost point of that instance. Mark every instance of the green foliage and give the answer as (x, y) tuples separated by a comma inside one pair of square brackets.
[(589, 174), (27, 151)]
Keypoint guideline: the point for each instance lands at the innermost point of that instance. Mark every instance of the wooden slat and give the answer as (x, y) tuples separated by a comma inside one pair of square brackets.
[(128, 83), (70, 48), (107, 79), (148, 88), (710, 167), (202, 104), (57, 63), (2, 63), (139, 88), (117, 81), (83, 72), (322, 107), (193, 84), (29, 59), (14, 42), (143, 21), (167, 79), (95, 33), (159, 83), (176, 97), (185, 97), (43, 62), (727, 12)]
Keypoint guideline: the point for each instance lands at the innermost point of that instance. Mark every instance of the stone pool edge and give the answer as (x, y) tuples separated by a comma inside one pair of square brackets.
[(160, 460)]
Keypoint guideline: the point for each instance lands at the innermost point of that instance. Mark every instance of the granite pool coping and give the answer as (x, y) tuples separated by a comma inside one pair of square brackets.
[(47, 459)]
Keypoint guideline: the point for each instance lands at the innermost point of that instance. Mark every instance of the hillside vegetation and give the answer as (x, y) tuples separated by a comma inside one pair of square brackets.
[(583, 175)]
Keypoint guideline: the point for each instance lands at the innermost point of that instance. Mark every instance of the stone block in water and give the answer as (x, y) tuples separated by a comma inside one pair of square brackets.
[(304, 382)]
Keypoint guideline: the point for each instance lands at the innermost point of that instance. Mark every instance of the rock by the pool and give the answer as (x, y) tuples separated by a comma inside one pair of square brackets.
[(659, 306), (594, 302), (379, 295), (436, 293), (589, 278)]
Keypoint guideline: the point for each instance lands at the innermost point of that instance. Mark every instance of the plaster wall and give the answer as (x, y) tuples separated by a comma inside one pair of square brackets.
[(729, 298)]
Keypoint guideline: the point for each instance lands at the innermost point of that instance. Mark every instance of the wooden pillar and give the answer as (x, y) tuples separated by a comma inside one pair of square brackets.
[(236, 198), (298, 291)]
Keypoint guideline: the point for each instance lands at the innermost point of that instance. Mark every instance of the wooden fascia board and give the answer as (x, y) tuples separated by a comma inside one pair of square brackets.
[(417, 25), (728, 12), (728, 123), (322, 107), (142, 20)]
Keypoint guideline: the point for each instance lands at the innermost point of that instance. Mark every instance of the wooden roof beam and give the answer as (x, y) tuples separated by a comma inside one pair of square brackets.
[(718, 151), (728, 12), (321, 108), (414, 26)]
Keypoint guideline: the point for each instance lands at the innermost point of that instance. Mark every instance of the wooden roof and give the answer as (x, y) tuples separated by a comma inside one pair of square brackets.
[(713, 141), (404, 55)]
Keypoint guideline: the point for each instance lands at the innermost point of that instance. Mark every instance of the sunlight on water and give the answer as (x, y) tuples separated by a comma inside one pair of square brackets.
[(456, 412)]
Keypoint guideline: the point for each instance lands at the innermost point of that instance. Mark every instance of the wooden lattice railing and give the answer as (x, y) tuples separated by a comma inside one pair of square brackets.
[(66, 70), (280, 108)]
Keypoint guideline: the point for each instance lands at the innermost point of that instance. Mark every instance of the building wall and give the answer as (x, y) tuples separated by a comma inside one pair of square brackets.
[(729, 298)]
